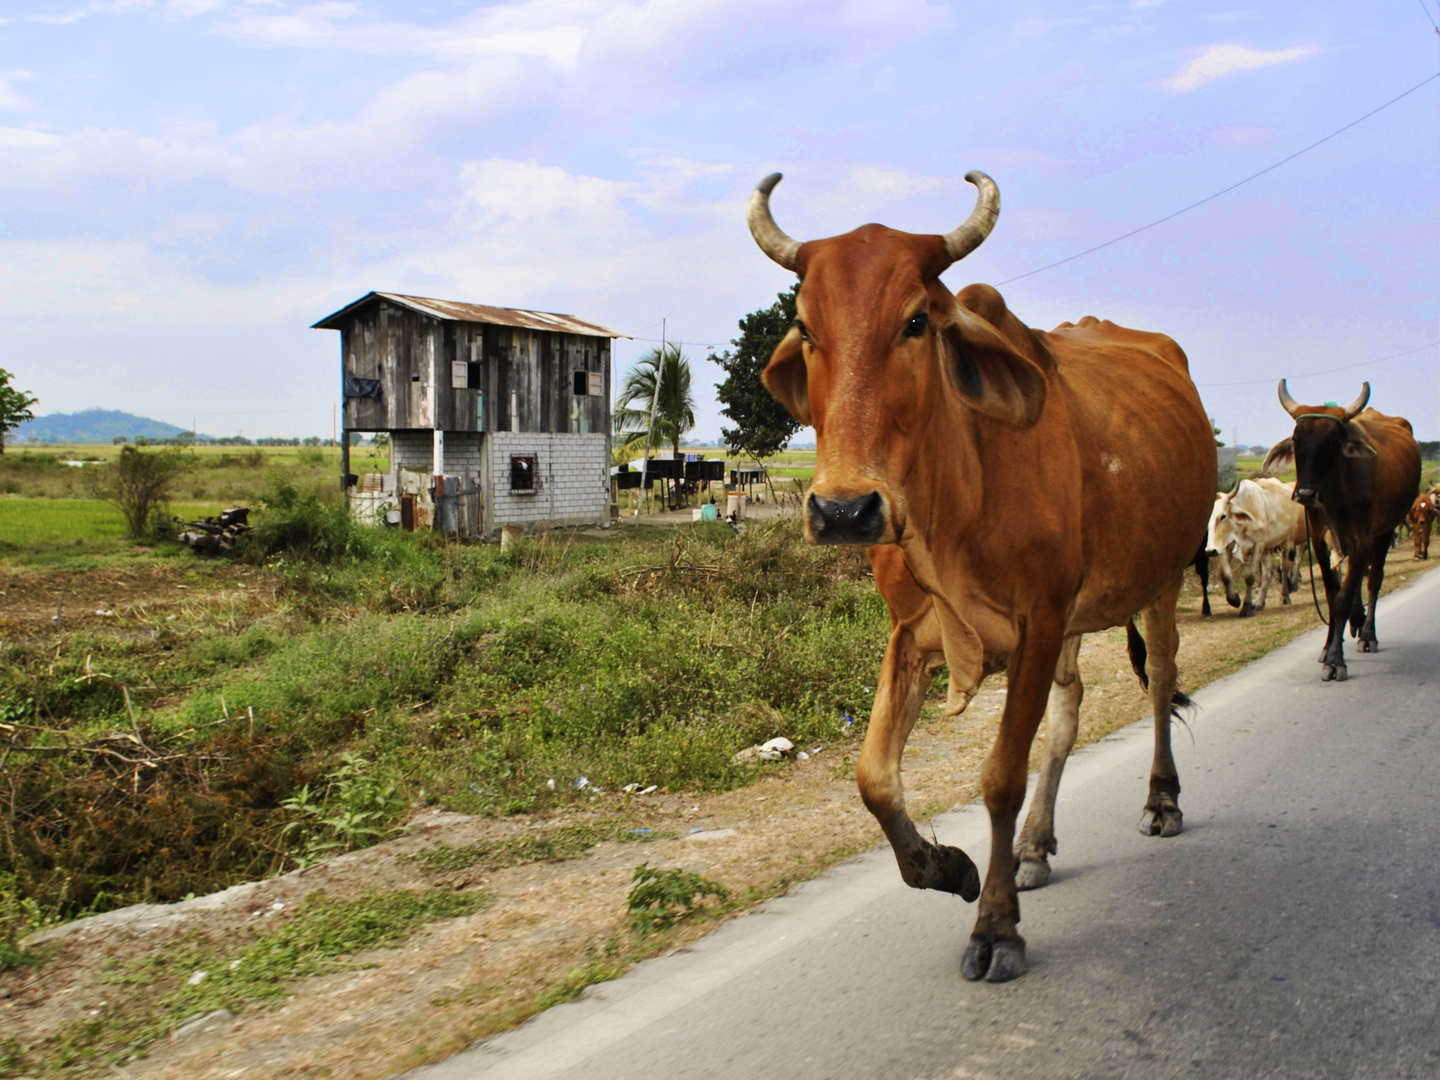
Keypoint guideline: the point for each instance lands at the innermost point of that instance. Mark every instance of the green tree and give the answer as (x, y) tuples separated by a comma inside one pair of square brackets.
[(14, 406), (675, 408), (762, 426), (139, 483)]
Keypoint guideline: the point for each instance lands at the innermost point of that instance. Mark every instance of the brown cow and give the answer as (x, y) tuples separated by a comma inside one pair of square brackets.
[(1356, 474), (1017, 489), (1421, 517)]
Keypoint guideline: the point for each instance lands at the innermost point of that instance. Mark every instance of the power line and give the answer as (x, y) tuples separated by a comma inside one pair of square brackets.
[(1327, 371), (1425, 9), (1222, 191)]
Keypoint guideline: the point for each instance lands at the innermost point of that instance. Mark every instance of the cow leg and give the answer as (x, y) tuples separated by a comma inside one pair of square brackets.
[(1264, 573), (1227, 575), (1248, 569), (905, 674), (1162, 816), (1202, 571), (1342, 606), (1330, 580), (996, 950), (1368, 641), (1062, 721)]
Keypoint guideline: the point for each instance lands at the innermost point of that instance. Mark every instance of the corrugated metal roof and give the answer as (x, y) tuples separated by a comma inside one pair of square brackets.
[(458, 311)]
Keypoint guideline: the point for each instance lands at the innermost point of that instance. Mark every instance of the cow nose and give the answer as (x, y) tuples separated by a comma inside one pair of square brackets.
[(1306, 497), (847, 521)]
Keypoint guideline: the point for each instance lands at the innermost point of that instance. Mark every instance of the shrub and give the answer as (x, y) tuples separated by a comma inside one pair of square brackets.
[(139, 483), (660, 899), (305, 526)]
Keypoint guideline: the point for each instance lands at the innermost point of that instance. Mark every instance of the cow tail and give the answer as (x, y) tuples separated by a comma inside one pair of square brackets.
[(1180, 703)]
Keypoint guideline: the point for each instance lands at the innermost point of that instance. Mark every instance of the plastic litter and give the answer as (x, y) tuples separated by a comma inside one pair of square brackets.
[(648, 790), (802, 756), (631, 788), (550, 784), (197, 978), (773, 750)]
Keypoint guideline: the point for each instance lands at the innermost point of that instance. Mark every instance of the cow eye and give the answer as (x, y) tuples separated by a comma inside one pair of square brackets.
[(916, 326), (804, 333)]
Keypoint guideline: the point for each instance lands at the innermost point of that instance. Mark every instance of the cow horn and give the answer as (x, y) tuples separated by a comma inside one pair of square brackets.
[(1353, 409), (1291, 406), (772, 239), (966, 237)]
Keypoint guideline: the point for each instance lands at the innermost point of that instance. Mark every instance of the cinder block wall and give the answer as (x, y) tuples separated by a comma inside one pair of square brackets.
[(416, 449), (572, 479)]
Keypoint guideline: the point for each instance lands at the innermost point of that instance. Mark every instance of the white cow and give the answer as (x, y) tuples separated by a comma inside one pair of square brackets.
[(1250, 523)]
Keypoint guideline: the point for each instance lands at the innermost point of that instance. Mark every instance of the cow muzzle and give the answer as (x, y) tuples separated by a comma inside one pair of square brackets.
[(1306, 497), (861, 520)]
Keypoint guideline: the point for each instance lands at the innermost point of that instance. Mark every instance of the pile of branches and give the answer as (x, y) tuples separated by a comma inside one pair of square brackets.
[(107, 819), (212, 534)]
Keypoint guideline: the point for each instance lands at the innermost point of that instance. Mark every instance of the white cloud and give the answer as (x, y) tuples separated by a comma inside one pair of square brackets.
[(516, 30), (25, 139), (9, 99), (1219, 61)]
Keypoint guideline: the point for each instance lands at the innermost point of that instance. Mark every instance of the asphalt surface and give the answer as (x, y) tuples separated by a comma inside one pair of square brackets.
[(1293, 930)]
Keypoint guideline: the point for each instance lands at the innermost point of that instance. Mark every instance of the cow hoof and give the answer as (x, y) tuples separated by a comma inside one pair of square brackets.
[(1032, 874), (1333, 673), (1165, 822), (958, 874), (1007, 960), (976, 961), (1000, 962), (1369, 646), (1246, 612)]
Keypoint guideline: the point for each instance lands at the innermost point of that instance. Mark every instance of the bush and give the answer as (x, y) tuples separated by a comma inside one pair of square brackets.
[(306, 526), (140, 483)]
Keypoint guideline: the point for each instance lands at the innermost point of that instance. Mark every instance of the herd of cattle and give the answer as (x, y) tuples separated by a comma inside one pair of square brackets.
[(1258, 527), (1017, 489)]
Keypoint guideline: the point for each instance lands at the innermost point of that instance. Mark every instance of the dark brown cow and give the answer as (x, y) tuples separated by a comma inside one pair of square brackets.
[(1017, 489), (1421, 517), (1356, 474)]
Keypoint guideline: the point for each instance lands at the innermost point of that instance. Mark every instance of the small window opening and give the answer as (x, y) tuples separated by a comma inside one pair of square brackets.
[(522, 472)]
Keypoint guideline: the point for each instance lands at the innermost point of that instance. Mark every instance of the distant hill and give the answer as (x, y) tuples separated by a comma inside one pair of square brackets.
[(91, 426)]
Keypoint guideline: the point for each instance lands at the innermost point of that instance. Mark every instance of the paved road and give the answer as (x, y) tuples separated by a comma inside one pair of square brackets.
[(1292, 931)]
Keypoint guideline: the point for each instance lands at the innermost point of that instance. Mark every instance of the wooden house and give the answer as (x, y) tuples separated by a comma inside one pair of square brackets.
[(509, 408)]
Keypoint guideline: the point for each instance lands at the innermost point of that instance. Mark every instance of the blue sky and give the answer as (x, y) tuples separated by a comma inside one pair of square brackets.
[(186, 186)]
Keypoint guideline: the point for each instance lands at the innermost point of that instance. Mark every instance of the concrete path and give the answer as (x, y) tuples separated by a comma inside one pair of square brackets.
[(1293, 930)]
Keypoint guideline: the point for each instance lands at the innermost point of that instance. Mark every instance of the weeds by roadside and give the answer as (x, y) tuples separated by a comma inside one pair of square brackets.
[(166, 988), (661, 899), (483, 681)]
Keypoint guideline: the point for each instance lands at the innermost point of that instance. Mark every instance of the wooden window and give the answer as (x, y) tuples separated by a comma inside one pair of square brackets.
[(459, 375), (522, 472), (597, 384)]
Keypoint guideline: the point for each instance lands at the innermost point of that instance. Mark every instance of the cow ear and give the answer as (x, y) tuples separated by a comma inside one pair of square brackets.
[(1280, 458), (987, 371), (786, 378), (1355, 444)]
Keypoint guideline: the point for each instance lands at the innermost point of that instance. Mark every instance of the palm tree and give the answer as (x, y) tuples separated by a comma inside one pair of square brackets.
[(674, 409)]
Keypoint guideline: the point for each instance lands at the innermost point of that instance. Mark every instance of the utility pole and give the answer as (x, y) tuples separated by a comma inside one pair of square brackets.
[(650, 431)]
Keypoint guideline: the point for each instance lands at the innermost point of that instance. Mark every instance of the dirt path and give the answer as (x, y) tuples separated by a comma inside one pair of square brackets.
[(551, 927)]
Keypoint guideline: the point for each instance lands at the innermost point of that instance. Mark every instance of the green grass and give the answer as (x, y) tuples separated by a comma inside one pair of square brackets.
[(166, 988), (483, 681)]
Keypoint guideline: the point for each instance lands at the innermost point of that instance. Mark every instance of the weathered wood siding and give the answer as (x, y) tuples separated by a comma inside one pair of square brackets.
[(528, 372)]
